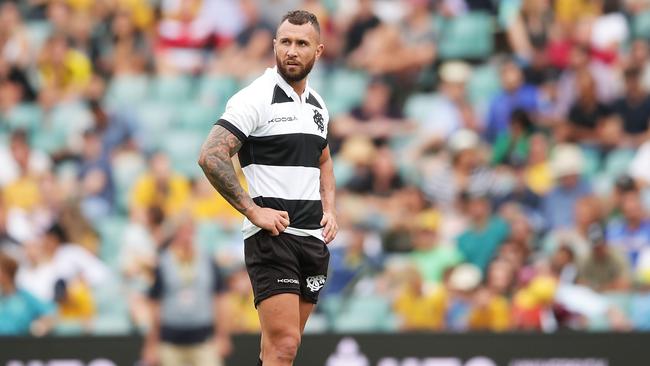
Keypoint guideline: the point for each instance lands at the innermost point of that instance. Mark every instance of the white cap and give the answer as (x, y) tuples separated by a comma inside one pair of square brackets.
[(463, 140), (567, 160), (465, 277), (455, 72)]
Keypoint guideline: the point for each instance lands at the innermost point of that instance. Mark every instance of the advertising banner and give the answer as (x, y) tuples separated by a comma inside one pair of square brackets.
[(564, 349)]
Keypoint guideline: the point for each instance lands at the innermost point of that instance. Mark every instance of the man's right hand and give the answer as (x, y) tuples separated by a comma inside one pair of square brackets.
[(271, 220)]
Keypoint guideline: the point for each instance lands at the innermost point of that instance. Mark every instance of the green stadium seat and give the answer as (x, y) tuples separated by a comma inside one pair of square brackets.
[(419, 107), (215, 91), (468, 36), (345, 89), (111, 231), (210, 236), (483, 85), (364, 313), (126, 169), (618, 162), (172, 89), (183, 149), (68, 328), (641, 25), (127, 90), (155, 119), (37, 32), (196, 117), (25, 116)]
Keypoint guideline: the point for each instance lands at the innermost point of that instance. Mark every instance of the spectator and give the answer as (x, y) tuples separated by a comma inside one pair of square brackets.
[(430, 256), (240, 297), (449, 109), (604, 269), (419, 308), (529, 31), (638, 166), (631, 232), (142, 238), (587, 212), (557, 205), (96, 178), (364, 20), (20, 312), (188, 305), (515, 95), (490, 312), (377, 117), (62, 68), (634, 108), (348, 261), (511, 147), (36, 162), (465, 171), (480, 243), (160, 187), (14, 42), (608, 86), (587, 112)]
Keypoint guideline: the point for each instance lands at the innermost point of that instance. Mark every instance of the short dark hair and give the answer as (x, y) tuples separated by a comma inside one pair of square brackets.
[(57, 231), (300, 17), (8, 266)]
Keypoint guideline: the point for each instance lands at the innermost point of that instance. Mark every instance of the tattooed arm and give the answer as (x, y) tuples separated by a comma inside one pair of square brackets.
[(215, 160)]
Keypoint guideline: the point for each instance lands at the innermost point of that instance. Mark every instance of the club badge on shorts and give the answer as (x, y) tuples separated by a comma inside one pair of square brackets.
[(315, 283), (318, 119)]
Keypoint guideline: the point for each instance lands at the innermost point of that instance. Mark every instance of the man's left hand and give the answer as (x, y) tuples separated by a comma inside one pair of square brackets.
[(330, 227)]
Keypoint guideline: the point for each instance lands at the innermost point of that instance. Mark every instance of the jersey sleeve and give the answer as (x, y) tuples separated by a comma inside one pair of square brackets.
[(242, 116)]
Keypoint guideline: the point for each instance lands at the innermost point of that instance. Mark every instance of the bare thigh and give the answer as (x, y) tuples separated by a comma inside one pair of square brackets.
[(280, 319)]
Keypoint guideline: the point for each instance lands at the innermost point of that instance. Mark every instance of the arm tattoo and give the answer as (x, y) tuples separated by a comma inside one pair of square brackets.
[(215, 161)]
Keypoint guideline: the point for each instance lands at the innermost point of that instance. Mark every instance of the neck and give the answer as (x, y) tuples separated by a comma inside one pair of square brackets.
[(298, 86)]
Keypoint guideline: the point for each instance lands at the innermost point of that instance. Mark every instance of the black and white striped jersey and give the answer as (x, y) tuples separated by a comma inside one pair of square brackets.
[(283, 137)]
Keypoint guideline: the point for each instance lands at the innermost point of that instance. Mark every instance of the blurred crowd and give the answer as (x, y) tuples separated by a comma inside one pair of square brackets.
[(492, 162)]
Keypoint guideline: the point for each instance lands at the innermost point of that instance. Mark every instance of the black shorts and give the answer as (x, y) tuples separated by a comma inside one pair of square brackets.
[(286, 264)]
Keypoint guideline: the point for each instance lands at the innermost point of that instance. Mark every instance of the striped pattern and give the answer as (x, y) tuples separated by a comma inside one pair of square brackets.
[(283, 136)]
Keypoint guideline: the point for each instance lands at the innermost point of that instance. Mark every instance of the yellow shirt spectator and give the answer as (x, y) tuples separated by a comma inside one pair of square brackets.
[(22, 193), (79, 303), (494, 316), (74, 73), (539, 178), (207, 203), (570, 11), (424, 311), (173, 197)]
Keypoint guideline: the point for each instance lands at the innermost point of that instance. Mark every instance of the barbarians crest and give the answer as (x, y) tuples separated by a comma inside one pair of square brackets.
[(318, 119), (315, 283)]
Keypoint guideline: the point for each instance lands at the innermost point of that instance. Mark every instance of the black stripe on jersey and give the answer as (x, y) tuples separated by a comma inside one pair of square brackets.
[(292, 149), (312, 100), (232, 128), (279, 96), (303, 214)]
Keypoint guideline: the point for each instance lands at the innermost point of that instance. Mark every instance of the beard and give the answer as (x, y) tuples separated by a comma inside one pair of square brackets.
[(301, 70)]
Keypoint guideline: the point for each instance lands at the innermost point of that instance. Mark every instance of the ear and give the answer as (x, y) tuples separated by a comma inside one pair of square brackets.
[(319, 50)]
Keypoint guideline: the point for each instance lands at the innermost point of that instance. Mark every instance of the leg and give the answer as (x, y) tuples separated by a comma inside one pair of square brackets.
[(280, 320), (306, 308), (205, 354)]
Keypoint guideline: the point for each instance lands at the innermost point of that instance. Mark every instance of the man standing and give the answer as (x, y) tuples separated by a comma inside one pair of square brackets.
[(278, 124)]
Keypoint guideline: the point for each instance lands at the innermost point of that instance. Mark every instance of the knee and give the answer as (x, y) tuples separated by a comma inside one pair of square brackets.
[(283, 346)]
